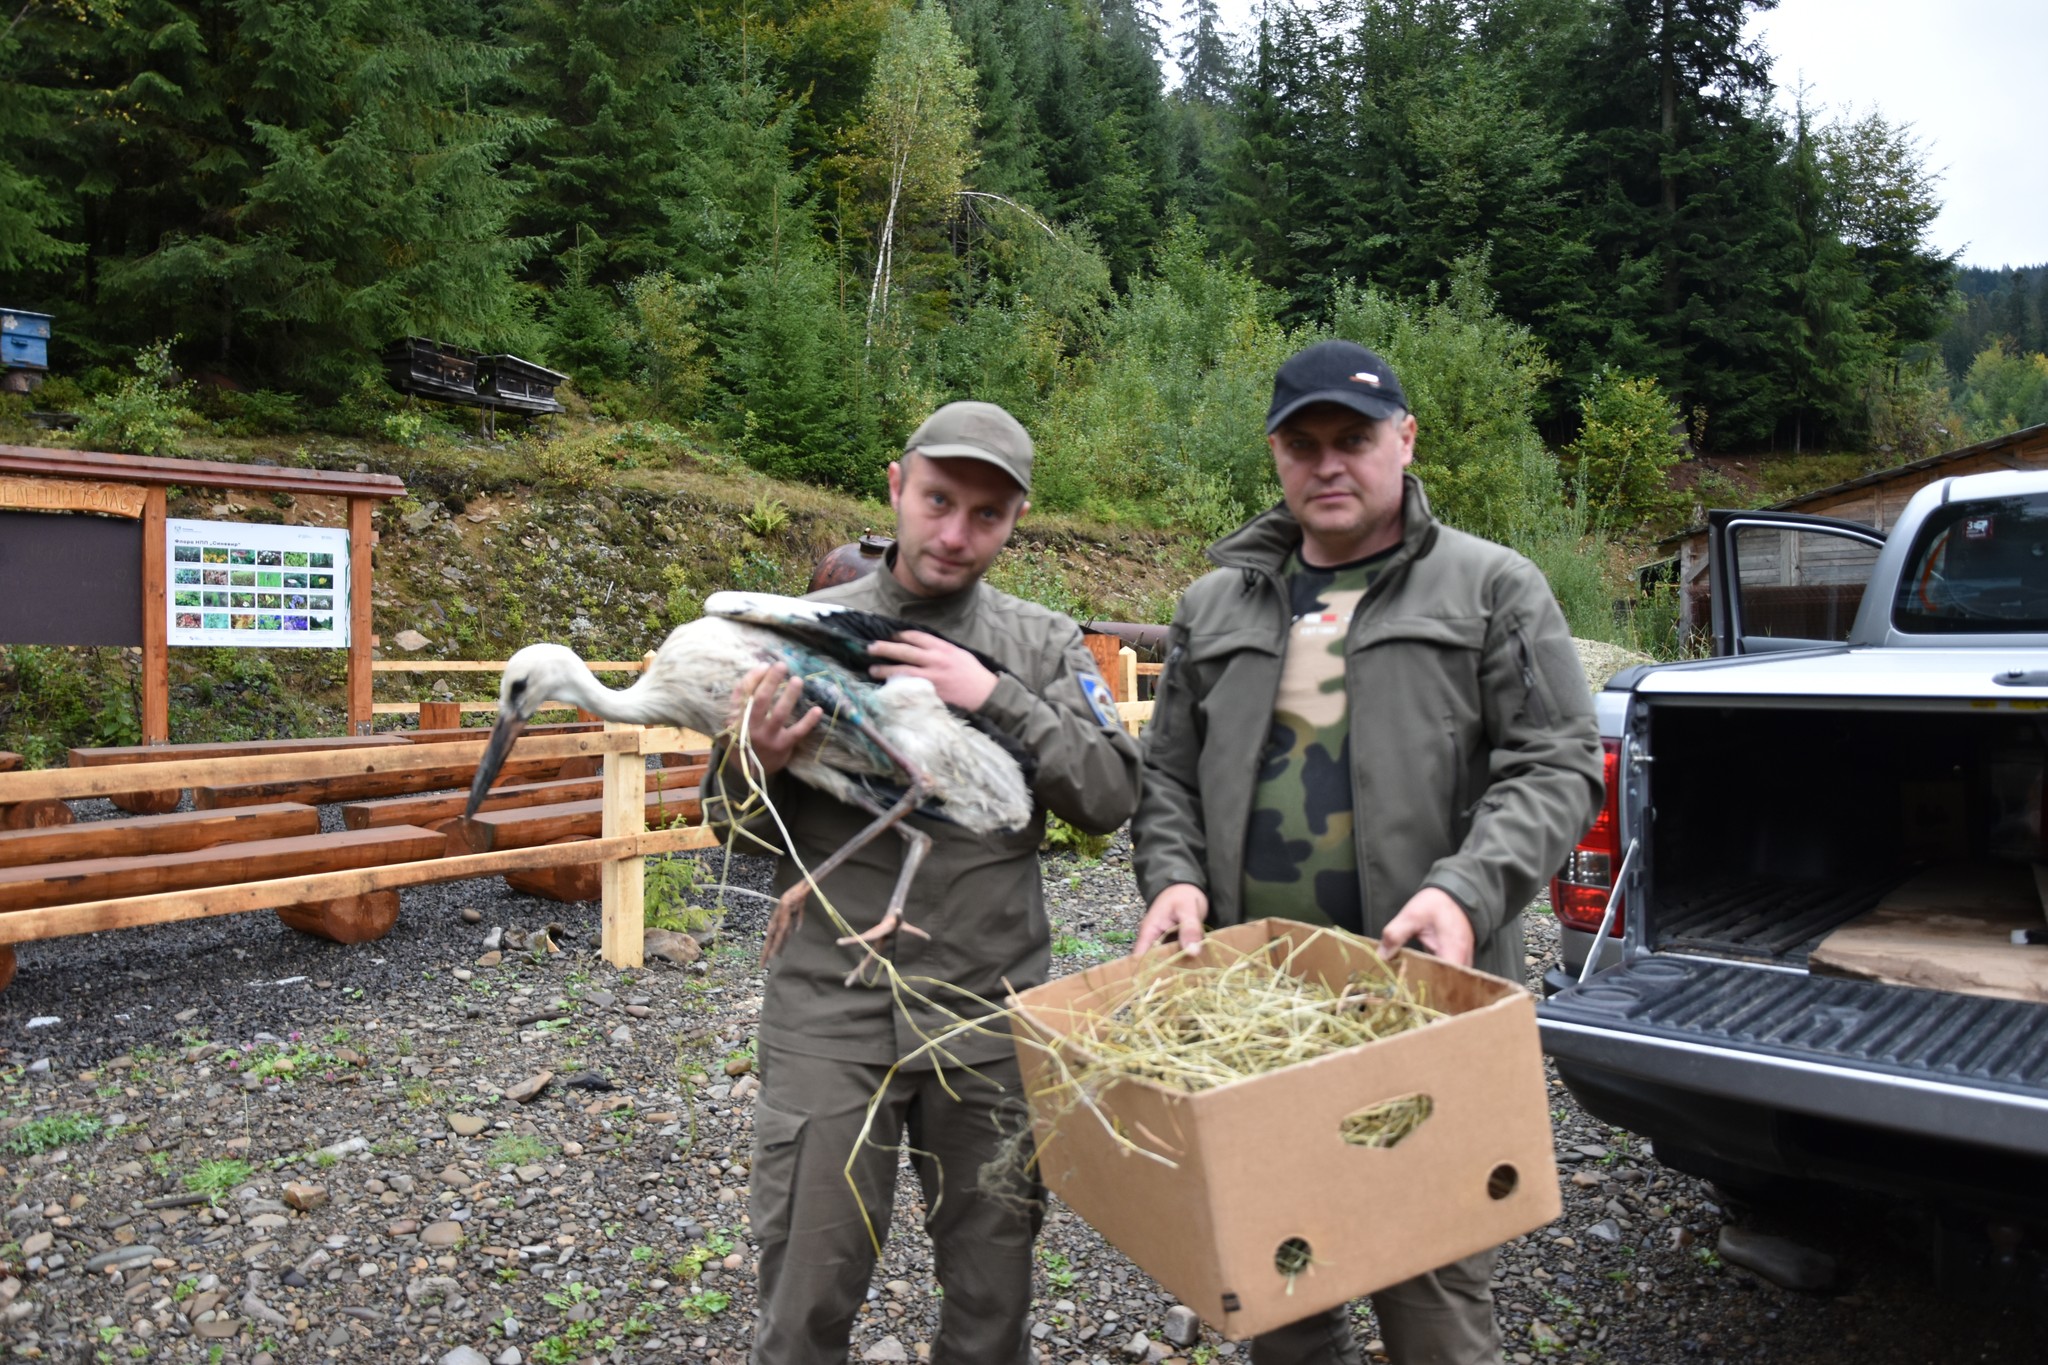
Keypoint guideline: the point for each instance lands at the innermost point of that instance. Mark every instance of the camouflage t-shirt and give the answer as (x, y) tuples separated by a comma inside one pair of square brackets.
[(1299, 859)]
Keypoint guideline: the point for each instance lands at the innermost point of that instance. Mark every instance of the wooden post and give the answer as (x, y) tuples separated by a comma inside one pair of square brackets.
[(623, 882), (1127, 674), (1104, 648), (440, 715), (360, 539), (156, 653)]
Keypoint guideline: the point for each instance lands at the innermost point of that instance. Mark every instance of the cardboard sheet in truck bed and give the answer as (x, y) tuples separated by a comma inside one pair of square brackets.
[(1948, 929)]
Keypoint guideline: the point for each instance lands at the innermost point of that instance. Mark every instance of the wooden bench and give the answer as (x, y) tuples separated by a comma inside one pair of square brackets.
[(341, 885), (29, 814), (146, 834), (321, 791), (157, 802), (435, 811), (457, 734), (569, 822), (352, 920)]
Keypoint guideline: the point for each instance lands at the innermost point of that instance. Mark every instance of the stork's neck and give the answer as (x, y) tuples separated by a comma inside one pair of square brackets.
[(635, 705)]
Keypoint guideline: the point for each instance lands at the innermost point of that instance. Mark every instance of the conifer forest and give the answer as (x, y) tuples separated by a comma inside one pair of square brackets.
[(1594, 236)]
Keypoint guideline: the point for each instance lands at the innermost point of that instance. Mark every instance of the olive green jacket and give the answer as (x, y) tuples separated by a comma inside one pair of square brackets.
[(979, 897), (1475, 761)]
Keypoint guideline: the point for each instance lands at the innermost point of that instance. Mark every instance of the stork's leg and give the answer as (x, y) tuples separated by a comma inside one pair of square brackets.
[(789, 910), (916, 844)]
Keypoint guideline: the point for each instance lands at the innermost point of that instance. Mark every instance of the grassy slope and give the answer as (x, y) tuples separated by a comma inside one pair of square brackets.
[(488, 553)]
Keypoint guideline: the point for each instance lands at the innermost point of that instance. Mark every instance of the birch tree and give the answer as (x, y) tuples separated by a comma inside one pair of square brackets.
[(917, 133)]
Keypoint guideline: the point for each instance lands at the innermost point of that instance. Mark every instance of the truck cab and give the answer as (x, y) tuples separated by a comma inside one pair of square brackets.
[(1800, 939)]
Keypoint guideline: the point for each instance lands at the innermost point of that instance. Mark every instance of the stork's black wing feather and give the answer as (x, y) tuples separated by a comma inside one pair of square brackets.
[(844, 634)]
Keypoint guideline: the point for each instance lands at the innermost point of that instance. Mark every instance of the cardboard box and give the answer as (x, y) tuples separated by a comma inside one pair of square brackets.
[(1260, 1163)]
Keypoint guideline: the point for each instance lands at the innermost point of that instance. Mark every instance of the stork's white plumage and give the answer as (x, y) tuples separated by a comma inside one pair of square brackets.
[(889, 748)]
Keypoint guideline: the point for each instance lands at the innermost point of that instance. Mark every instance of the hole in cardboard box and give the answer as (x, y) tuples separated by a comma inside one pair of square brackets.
[(1386, 1123), (1501, 1182), (1293, 1257)]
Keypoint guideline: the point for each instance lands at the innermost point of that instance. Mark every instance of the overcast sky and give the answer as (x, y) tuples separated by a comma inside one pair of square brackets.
[(1964, 73)]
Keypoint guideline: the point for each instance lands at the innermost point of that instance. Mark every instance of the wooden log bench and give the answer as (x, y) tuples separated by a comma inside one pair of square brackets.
[(156, 802), (347, 919), (29, 814), (321, 791), (566, 822), (437, 810), (343, 885), (473, 733), (146, 834)]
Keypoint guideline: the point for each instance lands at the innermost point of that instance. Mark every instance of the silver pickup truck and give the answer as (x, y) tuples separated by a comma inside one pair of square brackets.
[(1871, 737)]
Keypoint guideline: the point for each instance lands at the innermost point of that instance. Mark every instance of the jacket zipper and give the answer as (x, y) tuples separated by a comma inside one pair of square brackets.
[(1538, 712)]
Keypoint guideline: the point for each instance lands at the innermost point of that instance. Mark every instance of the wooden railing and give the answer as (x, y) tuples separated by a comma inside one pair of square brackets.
[(425, 707)]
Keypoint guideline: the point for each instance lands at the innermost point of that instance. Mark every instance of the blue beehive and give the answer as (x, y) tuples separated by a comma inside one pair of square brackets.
[(24, 340)]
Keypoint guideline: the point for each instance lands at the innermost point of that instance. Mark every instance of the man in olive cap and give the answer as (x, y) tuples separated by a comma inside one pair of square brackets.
[(1369, 720), (825, 1046)]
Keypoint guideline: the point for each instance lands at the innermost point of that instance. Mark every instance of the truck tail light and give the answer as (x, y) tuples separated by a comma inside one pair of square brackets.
[(1579, 892)]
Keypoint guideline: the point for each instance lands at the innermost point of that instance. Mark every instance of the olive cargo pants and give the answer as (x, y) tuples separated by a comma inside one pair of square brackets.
[(1444, 1317), (816, 1256)]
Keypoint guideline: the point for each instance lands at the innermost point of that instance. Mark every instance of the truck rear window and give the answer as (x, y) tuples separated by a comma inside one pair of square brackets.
[(1978, 566)]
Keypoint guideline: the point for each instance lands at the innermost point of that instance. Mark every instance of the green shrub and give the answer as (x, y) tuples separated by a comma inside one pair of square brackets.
[(145, 413), (671, 885), (54, 698), (1622, 457), (1061, 837), (259, 412), (577, 460), (59, 393), (1168, 425)]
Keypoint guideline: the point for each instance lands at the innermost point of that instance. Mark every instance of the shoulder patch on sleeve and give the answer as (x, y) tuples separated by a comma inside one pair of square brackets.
[(1096, 693)]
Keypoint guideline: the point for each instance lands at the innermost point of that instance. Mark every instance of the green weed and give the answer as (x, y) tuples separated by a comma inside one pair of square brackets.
[(519, 1149), (47, 1134), (215, 1178)]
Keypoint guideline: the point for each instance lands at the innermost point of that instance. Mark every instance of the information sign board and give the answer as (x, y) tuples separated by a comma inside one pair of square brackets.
[(252, 585)]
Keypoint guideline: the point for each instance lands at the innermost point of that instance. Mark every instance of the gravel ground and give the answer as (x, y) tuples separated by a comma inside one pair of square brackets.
[(378, 1085)]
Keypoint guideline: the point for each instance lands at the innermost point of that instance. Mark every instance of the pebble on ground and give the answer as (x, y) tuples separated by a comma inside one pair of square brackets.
[(242, 1145)]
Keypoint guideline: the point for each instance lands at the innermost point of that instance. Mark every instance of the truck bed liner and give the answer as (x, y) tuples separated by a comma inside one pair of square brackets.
[(1774, 919), (1897, 1030)]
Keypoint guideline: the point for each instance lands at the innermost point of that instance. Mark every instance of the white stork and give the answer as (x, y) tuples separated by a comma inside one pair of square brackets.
[(889, 748)]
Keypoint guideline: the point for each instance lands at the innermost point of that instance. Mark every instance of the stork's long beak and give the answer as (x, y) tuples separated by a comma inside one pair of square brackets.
[(508, 729)]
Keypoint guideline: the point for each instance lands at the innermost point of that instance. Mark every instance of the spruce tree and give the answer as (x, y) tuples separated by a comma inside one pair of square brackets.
[(608, 77)]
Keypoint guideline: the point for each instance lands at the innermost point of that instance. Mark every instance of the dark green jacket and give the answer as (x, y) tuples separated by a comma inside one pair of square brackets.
[(1475, 761), (980, 899)]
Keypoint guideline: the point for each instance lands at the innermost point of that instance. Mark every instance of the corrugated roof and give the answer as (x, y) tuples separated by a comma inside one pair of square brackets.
[(1884, 475)]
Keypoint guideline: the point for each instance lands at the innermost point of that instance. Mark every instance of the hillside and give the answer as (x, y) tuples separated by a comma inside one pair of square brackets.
[(498, 545)]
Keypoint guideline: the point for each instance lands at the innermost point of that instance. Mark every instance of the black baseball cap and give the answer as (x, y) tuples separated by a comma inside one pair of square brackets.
[(1335, 372)]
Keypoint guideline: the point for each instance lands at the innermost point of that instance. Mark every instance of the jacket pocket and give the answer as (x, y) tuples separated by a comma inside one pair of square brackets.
[(778, 1143), (1218, 672)]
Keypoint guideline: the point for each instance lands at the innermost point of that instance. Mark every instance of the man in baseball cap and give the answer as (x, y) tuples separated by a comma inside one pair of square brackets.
[(974, 928), (1368, 720)]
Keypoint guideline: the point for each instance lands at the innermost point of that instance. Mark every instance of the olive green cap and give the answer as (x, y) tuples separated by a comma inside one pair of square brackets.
[(976, 431)]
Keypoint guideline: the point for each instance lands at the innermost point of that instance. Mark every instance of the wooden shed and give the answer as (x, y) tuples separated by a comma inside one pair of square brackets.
[(1874, 499)]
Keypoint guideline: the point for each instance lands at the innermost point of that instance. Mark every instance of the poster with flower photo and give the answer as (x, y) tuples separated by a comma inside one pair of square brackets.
[(239, 583)]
